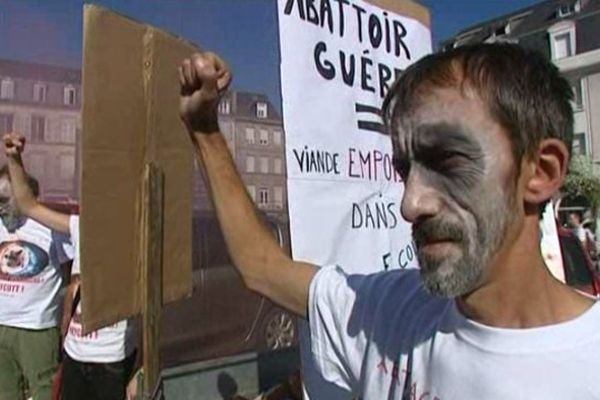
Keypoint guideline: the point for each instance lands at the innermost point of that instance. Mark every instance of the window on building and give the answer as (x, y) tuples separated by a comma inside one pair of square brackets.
[(264, 137), (6, 123), (278, 166), (67, 166), (261, 110), (277, 135), (264, 165), (562, 45), (250, 135), (577, 96), (69, 95), (263, 196), (562, 39), (36, 164), (38, 128), (52, 134), (568, 8), (225, 107), (252, 192), (502, 30), (68, 130), (39, 92), (250, 167), (7, 89), (579, 146), (278, 196)]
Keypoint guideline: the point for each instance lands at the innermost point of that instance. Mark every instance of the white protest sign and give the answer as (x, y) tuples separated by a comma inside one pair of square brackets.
[(338, 59)]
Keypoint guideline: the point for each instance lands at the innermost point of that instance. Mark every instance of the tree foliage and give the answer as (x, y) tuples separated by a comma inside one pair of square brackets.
[(583, 179)]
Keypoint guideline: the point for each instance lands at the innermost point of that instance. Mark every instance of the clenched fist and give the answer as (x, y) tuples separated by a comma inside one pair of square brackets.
[(203, 76), (14, 144)]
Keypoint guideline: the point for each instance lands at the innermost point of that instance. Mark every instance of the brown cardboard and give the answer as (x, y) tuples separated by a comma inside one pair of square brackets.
[(130, 117), (408, 8)]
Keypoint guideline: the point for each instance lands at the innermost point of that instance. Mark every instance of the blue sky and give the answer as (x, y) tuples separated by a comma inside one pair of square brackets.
[(244, 32)]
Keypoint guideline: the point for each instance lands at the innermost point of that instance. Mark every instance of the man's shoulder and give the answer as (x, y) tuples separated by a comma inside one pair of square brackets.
[(398, 290), (378, 306), (406, 280), (385, 292), (31, 230), (30, 224)]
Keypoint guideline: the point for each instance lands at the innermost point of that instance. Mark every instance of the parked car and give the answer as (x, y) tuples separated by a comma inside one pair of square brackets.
[(222, 317)]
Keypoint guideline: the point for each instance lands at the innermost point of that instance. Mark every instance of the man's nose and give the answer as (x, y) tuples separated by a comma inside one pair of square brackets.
[(420, 198)]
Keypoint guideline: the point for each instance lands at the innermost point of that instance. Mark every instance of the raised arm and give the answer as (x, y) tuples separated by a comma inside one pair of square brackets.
[(14, 144), (262, 263)]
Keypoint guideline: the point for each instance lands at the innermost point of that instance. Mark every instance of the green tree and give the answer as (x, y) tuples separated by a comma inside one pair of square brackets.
[(583, 179)]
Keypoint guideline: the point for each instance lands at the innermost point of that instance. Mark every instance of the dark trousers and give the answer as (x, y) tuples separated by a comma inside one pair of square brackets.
[(95, 381)]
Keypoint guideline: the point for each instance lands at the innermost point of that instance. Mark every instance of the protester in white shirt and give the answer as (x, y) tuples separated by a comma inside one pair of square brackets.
[(481, 137), (31, 278), (585, 236), (96, 365)]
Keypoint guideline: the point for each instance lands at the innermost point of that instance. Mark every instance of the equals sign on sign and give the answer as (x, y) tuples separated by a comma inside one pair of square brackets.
[(369, 118)]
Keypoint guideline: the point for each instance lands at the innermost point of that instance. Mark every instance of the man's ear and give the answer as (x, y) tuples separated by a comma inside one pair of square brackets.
[(546, 171)]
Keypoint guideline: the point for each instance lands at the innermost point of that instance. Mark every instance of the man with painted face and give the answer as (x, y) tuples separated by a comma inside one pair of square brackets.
[(31, 273), (481, 136)]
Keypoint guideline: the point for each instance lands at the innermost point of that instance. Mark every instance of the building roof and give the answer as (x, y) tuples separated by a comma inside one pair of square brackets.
[(243, 105), (41, 72), (536, 19)]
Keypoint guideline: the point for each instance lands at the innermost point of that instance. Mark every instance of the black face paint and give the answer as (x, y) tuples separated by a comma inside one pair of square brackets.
[(474, 215), (450, 158), (9, 213)]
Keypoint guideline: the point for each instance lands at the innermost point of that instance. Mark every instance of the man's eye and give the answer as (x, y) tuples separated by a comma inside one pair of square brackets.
[(452, 159)]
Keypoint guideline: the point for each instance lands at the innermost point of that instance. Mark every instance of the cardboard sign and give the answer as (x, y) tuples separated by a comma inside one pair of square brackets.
[(130, 118), (338, 60)]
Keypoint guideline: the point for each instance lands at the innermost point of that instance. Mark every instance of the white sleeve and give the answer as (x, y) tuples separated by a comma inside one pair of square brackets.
[(74, 232), (337, 350), (62, 248), (350, 316)]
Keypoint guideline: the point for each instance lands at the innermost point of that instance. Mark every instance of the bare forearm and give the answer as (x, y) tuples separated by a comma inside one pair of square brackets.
[(21, 190), (28, 203), (263, 264)]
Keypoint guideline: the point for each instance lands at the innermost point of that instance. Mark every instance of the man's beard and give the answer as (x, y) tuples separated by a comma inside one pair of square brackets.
[(11, 219), (460, 270)]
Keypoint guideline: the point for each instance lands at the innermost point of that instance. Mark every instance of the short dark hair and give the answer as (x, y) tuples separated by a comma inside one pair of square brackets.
[(524, 92), (31, 181)]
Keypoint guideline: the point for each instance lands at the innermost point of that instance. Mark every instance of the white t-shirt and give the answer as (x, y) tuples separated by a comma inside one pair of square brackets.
[(379, 336), (110, 344), (31, 276)]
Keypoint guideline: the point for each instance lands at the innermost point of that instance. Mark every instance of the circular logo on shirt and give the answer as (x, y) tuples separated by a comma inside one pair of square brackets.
[(21, 259)]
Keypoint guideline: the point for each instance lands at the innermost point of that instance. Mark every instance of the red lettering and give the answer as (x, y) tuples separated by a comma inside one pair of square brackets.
[(371, 165)]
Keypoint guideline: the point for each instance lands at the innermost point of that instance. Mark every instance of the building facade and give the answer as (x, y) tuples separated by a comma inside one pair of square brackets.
[(566, 32), (43, 103), (254, 132)]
